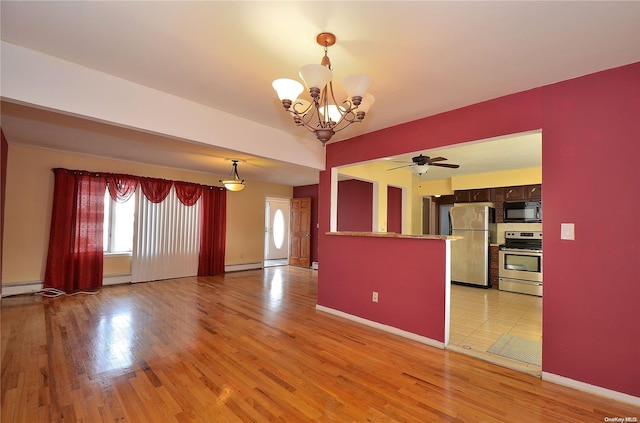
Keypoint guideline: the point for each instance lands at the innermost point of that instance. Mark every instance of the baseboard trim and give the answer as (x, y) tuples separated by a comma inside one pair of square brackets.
[(243, 266), (21, 288), (592, 389), (381, 326)]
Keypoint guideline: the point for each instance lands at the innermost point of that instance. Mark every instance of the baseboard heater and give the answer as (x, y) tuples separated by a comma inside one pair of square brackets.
[(21, 288), (243, 266)]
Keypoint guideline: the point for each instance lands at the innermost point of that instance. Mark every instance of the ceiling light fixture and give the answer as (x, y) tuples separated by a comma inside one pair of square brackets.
[(233, 181), (324, 116), (421, 169)]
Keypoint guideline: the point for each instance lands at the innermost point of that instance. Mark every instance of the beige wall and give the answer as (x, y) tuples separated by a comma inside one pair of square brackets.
[(29, 196)]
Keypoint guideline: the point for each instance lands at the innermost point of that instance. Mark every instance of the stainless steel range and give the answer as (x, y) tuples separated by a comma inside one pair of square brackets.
[(520, 262)]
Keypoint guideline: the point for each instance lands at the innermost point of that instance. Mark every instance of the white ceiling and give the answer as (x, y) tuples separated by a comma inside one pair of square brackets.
[(424, 57)]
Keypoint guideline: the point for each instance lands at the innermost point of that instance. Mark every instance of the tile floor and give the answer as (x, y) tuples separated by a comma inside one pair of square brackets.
[(480, 316)]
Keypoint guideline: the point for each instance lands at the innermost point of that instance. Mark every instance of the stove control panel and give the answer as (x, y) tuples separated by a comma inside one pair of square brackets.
[(537, 235)]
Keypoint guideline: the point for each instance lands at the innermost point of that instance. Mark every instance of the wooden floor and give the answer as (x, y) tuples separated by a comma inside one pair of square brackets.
[(248, 346)]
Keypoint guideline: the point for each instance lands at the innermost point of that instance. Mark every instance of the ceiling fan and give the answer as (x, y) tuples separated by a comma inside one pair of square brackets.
[(422, 163)]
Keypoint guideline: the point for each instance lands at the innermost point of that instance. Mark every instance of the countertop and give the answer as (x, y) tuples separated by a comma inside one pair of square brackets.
[(393, 235)]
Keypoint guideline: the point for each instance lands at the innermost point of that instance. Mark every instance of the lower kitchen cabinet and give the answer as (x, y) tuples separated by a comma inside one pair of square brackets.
[(494, 266)]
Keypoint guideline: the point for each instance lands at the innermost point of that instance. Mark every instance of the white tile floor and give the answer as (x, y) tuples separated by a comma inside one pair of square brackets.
[(480, 316)]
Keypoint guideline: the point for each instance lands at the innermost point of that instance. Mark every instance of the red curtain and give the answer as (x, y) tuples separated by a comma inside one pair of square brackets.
[(74, 260), (187, 192), (121, 187), (212, 231), (156, 190), (75, 256)]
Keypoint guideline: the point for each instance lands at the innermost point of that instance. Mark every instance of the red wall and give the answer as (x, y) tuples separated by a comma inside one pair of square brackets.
[(394, 209), (355, 206), (590, 151), (310, 191), (406, 298)]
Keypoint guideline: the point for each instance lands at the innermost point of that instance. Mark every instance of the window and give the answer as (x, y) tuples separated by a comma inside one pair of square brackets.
[(118, 224)]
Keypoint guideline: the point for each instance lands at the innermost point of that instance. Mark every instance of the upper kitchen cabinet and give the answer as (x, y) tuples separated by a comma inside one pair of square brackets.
[(514, 193), (472, 195), (480, 195), (533, 192), (462, 196)]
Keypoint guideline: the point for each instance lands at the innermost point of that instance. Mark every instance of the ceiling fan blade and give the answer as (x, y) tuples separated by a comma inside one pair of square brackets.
[(400, 167), (437, 159), (452, 166)]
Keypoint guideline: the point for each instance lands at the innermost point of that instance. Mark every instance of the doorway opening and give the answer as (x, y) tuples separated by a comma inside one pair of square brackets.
[(497, 325), (276, 233)]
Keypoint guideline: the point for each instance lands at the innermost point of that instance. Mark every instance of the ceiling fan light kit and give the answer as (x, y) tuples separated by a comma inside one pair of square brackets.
[(323, 115), (233, 181)]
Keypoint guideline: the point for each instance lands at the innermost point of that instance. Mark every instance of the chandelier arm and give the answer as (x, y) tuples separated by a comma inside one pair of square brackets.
[(304, 118), (324, 119), (333, 97), (298, 112)]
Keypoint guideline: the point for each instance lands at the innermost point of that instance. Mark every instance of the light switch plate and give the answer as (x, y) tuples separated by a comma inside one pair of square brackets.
[(568, 231)]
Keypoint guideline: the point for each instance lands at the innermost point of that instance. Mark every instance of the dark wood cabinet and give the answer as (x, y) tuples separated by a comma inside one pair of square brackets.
[(498, 196), (514, 193), (498, 202), (533, 192), (499, 206), (462, 196), (480, 195), (494, 266)]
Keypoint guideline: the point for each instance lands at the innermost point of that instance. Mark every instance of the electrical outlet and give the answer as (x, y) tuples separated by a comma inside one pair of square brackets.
[(374, 297)]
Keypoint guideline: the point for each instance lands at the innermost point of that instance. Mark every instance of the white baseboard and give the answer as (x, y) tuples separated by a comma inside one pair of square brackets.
[(386, 328), (592, 389), (21, 288), (243, 266)]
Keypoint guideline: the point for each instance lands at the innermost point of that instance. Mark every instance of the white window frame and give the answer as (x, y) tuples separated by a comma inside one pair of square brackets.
[(109, 229)]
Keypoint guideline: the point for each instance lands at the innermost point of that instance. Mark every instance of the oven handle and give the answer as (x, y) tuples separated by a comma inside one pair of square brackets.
[(521, 251)]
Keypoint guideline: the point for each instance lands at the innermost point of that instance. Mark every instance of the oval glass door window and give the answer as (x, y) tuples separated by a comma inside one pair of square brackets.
[(278, 229)]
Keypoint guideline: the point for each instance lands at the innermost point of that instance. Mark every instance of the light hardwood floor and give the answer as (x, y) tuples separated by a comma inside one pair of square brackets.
[(248, 346)]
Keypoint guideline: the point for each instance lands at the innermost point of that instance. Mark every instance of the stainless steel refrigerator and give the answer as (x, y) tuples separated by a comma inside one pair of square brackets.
[(475, 227)]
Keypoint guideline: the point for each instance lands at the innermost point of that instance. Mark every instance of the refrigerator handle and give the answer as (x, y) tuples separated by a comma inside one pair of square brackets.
[(450, 225)]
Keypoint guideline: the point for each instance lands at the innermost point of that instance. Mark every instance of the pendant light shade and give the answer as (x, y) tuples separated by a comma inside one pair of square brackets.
[(233, 181)]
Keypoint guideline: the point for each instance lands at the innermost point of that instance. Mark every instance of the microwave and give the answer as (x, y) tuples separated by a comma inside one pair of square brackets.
[(523, 211)]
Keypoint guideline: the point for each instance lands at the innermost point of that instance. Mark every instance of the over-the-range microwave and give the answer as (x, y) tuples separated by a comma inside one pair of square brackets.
[(523, 211)]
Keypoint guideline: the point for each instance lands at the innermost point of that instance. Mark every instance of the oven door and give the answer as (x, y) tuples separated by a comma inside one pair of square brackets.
[(520, 264)]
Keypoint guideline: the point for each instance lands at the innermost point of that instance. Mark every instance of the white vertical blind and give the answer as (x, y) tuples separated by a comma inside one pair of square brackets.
[(166, 239)]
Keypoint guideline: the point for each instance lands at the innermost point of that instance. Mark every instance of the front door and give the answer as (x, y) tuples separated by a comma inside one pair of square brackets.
[(276, 229), (299, 254)]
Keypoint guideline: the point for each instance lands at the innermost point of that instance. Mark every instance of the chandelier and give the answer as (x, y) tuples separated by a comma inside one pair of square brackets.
[(233, 181), (323, 115)]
